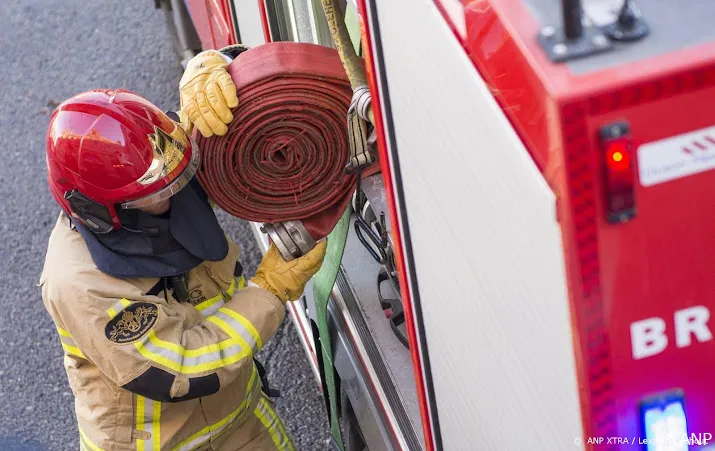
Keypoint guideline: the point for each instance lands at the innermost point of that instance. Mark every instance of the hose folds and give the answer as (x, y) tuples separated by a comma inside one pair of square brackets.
[(283, 155)]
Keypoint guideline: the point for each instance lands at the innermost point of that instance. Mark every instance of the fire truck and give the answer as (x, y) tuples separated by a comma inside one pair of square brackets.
[(533, 265)]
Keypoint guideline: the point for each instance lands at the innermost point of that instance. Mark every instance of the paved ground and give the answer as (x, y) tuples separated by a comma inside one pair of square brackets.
[(50, 50)]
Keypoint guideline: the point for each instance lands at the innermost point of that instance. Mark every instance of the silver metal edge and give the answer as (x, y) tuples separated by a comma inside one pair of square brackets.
[(339, 302)]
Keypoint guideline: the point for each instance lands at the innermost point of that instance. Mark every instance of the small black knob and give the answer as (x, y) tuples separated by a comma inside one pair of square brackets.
[(627, 17), (629, 26)]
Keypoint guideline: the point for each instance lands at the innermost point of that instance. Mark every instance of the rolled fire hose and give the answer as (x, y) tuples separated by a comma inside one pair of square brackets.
[(282, 160)]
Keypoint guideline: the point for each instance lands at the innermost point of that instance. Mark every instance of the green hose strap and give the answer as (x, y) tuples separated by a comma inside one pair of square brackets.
[(323, 284)]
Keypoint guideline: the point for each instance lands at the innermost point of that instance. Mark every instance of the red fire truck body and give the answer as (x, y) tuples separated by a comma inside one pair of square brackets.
[(640, 290), (551, 217)]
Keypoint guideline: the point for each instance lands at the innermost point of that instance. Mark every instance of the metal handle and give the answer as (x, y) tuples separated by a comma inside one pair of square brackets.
[(362, 227)]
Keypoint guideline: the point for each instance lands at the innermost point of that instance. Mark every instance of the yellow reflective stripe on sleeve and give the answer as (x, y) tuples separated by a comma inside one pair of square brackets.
[(218, 298), (116, 308), (210, 306), (74, 351), (190, 361), (178, 349), (204, 435), (63, 332), (68, 344), (148, 418), (270, 420), (235, 337), (238, 326), (87, 443), (236, 284)]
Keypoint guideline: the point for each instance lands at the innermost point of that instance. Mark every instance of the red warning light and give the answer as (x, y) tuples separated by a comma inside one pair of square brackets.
[(619, 181), (618, 156)]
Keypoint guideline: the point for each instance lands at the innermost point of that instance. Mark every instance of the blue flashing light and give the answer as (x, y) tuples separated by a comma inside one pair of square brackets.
[(666, 427)]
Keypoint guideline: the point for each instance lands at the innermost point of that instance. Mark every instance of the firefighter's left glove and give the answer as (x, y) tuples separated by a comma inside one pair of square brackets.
[(207, 94), (287, 280)]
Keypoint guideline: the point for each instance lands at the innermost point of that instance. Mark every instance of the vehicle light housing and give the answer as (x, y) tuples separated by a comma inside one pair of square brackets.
[(665, 423), (619, 180)]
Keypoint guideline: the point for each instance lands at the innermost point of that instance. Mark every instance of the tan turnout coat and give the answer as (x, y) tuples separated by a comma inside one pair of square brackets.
[(150, 373)]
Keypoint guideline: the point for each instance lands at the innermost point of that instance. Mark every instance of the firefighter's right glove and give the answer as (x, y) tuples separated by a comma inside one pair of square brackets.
[(287, 280), (207, 94)]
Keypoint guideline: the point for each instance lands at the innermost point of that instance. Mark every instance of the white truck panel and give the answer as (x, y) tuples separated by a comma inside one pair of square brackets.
[(250, 25), (486, 245)]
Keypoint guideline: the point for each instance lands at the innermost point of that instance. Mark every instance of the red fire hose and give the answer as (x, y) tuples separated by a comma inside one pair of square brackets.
[(283, 155)]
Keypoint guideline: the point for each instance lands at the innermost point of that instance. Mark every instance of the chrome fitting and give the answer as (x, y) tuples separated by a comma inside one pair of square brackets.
[(290, 237)]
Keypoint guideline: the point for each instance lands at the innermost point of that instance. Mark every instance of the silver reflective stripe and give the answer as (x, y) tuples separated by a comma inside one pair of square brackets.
[(162, 353), (118, 307), (68, 344), (186, 364), (194, 443), (252, 390), (270, 420), (68, 341), (216, 429), (148, 419), (238, 327), (262, 413), (286, 441), (213, 309), (213, 356)]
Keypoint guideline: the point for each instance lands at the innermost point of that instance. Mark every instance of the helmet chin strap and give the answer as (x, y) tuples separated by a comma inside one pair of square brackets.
[(149, 232), (132, 230), (161, 245)]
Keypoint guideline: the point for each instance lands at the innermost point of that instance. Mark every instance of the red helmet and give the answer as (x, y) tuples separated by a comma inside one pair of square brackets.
[(109, 149)]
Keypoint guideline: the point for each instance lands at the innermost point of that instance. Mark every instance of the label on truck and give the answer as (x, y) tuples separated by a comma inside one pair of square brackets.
[(675, 157), (651, 336)]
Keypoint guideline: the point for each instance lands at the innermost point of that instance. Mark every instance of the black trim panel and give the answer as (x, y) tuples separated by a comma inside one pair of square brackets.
[(156, 383), (234, 19)]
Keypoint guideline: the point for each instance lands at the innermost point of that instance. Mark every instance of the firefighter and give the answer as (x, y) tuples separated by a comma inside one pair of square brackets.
[(157, 321)]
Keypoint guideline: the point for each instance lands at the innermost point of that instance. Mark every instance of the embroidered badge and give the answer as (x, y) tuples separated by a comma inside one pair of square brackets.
[(132, 323)]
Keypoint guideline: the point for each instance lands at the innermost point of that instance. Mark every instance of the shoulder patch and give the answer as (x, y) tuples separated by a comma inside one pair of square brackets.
[(132, 323)]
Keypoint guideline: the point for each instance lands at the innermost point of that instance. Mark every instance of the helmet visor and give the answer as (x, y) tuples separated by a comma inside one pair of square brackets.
[(167, 157)]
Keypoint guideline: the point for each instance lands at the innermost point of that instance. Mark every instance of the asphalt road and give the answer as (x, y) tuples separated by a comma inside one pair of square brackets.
[(50, 50)]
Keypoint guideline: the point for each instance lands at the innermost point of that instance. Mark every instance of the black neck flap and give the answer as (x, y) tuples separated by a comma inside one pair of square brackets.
[(160, 246)]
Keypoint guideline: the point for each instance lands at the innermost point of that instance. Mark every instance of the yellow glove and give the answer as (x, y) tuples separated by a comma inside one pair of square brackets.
[(287, 280), (207, 94)]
